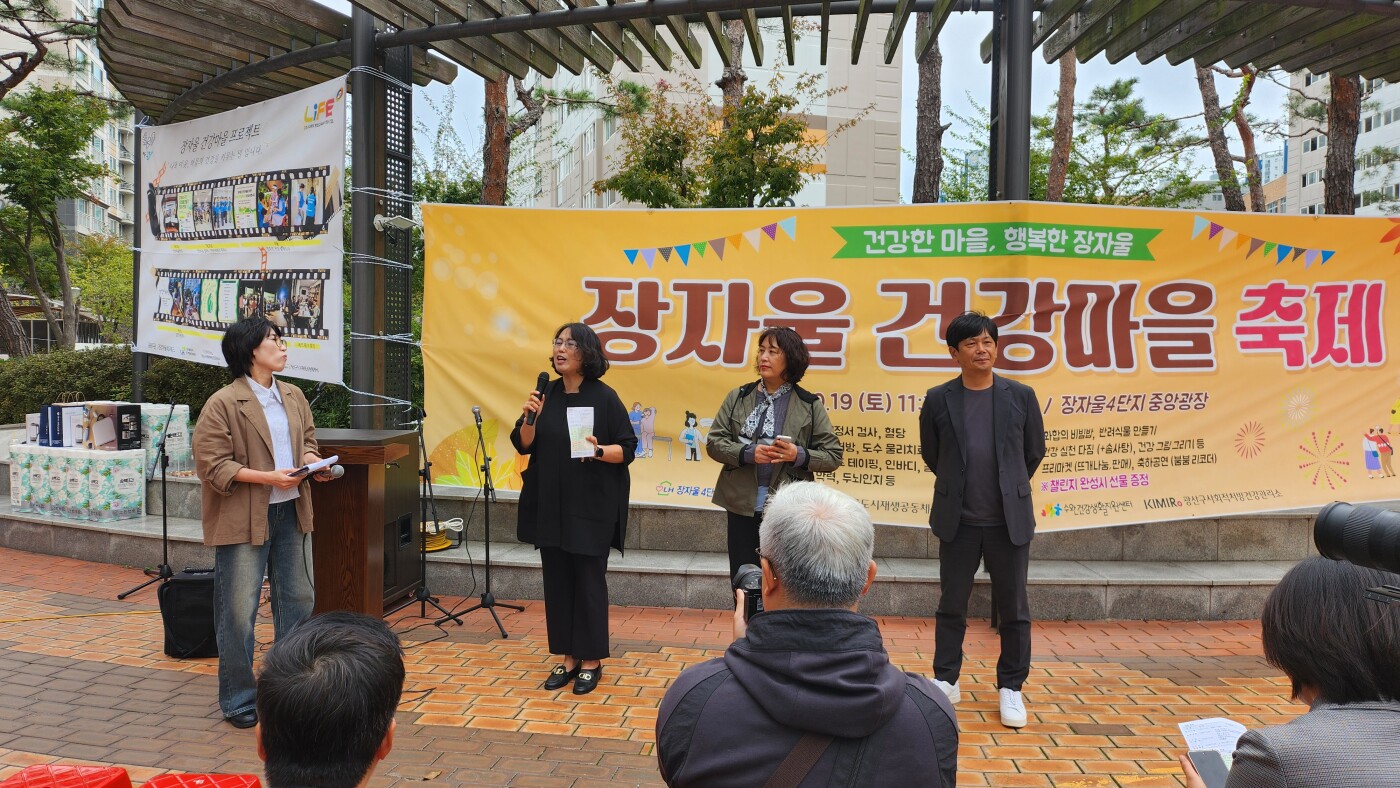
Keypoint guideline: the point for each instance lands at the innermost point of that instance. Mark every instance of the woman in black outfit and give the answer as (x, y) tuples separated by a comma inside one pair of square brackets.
[(575, 510)]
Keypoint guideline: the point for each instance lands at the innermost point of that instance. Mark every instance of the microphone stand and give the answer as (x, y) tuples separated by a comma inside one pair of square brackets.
[(163, 572), (488, 600), (422, 595)]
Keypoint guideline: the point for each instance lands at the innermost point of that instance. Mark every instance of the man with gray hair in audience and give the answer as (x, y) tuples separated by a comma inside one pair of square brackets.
[(806, 694)]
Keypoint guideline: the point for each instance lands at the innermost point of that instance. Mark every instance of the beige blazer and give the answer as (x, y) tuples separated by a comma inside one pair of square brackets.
[(231, 434)]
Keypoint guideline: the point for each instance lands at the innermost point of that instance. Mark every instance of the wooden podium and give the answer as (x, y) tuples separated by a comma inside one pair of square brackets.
[(366, 542)]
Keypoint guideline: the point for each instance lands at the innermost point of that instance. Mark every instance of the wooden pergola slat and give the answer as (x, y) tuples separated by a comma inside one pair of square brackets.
[(187, 43)]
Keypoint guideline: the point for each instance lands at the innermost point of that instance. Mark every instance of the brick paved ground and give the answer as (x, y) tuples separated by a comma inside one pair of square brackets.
[(82, 679)]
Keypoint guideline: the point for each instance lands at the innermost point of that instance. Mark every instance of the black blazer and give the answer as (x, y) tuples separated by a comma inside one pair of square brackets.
[(578, 506), (1020, 440)]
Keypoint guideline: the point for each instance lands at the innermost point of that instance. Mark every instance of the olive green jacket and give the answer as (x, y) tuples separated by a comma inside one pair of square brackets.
[(806, 423)]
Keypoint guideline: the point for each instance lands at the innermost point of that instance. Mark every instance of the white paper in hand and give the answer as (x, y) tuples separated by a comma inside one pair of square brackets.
[(316, 467), (1217, 733), (580, 427)]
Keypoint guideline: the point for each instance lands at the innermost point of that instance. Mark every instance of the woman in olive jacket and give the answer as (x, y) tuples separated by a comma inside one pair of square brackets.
[(766, 434)]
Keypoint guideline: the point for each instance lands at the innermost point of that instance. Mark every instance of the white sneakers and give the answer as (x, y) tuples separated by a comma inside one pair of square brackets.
[(1013, 706), (953, 691), (1013, 709)]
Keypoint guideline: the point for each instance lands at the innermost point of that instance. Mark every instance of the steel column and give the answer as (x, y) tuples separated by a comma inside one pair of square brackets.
[(365, 374), (1010, 165), (139, 361)]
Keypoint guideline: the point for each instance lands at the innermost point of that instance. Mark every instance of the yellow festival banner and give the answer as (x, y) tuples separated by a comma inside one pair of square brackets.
[(1188, 364)]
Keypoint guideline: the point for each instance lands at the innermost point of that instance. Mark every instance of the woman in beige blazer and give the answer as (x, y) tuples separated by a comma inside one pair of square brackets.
[(250, 436)]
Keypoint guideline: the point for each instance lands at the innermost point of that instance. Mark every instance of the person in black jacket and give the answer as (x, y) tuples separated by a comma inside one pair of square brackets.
[(983, 437), (808, 676), (574, 510)]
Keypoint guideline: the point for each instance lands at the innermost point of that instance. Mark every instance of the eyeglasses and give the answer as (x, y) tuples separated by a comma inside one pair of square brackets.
[(567, 344), (281, 343)]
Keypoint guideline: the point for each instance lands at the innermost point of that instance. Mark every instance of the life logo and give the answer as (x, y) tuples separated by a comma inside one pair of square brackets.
[(322, 111), (665, 488), (1052, 510)]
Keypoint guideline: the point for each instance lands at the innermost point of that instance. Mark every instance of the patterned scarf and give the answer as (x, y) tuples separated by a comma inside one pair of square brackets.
[(763, 410)]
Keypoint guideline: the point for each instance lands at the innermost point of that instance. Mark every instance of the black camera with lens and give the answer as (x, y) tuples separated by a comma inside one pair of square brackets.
[(1364, 535), (749, 579)]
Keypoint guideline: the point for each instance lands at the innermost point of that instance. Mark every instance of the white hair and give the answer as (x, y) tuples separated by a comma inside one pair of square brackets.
[(819, 542)]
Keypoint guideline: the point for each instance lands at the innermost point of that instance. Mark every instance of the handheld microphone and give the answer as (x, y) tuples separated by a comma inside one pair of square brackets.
[(476, 411), (539, 386), (337, 471)]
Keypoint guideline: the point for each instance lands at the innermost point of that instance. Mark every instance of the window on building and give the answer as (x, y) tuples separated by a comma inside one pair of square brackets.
[(588, 141), (609, 126), (1311, 177), (1308, 79), (1314, 143)]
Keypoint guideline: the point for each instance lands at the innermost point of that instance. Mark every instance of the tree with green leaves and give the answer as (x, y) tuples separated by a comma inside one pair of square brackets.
[(964, 178), (102, 276), (36, 34), (679, 150), (1125, 155), (761, 155), (43, 159)]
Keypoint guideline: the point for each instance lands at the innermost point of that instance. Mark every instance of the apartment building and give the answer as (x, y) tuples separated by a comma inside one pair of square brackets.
[(109, 206), (573, 149), (1377, 178)]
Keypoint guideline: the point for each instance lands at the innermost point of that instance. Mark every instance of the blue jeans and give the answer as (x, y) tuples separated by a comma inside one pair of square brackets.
[(238, 574)]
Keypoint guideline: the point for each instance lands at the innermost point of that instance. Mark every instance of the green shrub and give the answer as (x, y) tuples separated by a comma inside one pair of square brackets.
[(105, 373), (32, 381)]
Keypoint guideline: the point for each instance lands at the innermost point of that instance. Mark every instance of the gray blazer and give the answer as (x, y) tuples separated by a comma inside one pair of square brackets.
[(1352, 746), (1019, 433)]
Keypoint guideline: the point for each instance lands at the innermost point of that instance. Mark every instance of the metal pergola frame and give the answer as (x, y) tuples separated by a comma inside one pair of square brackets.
[(494, 38)]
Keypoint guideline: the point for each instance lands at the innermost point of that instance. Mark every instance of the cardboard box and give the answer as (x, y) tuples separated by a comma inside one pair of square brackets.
[(49, 425), (73, 424), (112, 426)]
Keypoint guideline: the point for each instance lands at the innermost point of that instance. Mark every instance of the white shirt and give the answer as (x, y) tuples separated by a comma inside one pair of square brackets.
[(275, 411)]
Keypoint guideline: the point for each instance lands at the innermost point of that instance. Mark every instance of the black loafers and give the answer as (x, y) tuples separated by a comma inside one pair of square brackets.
[(247, 719), (559, 677), (587, 680)]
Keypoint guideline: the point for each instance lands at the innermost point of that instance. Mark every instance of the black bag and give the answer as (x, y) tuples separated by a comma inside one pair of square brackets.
[(187, 610)]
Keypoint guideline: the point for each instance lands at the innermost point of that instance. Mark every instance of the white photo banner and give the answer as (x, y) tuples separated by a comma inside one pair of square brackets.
[(242, 216)]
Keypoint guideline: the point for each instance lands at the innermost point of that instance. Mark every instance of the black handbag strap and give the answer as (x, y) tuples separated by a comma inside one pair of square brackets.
[(798, 763)]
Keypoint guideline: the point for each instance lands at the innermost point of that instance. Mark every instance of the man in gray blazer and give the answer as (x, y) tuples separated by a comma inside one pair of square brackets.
[(983, 438)]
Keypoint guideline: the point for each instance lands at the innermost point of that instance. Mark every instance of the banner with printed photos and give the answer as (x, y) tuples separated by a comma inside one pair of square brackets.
[(242, 216)]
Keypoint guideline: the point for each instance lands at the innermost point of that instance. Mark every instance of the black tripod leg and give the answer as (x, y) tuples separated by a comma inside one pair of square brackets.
[(131, 591), (499, 625)]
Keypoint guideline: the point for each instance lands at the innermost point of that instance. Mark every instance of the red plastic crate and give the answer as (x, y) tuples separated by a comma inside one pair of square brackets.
[(204, 781), (58, 776)]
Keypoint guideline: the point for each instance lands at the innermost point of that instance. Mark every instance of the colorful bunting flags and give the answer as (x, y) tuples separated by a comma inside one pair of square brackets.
[(720, 245), (1280, 252)]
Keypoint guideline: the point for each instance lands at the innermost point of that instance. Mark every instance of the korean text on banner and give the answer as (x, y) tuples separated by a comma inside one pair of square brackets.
[(1188, 364)]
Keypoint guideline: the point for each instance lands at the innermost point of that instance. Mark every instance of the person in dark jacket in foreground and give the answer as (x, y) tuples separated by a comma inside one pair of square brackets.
[(808, 677)]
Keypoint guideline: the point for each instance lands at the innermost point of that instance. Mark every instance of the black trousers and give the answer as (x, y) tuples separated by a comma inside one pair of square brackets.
[(1007, 564), (743, 541), (575, 603)]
